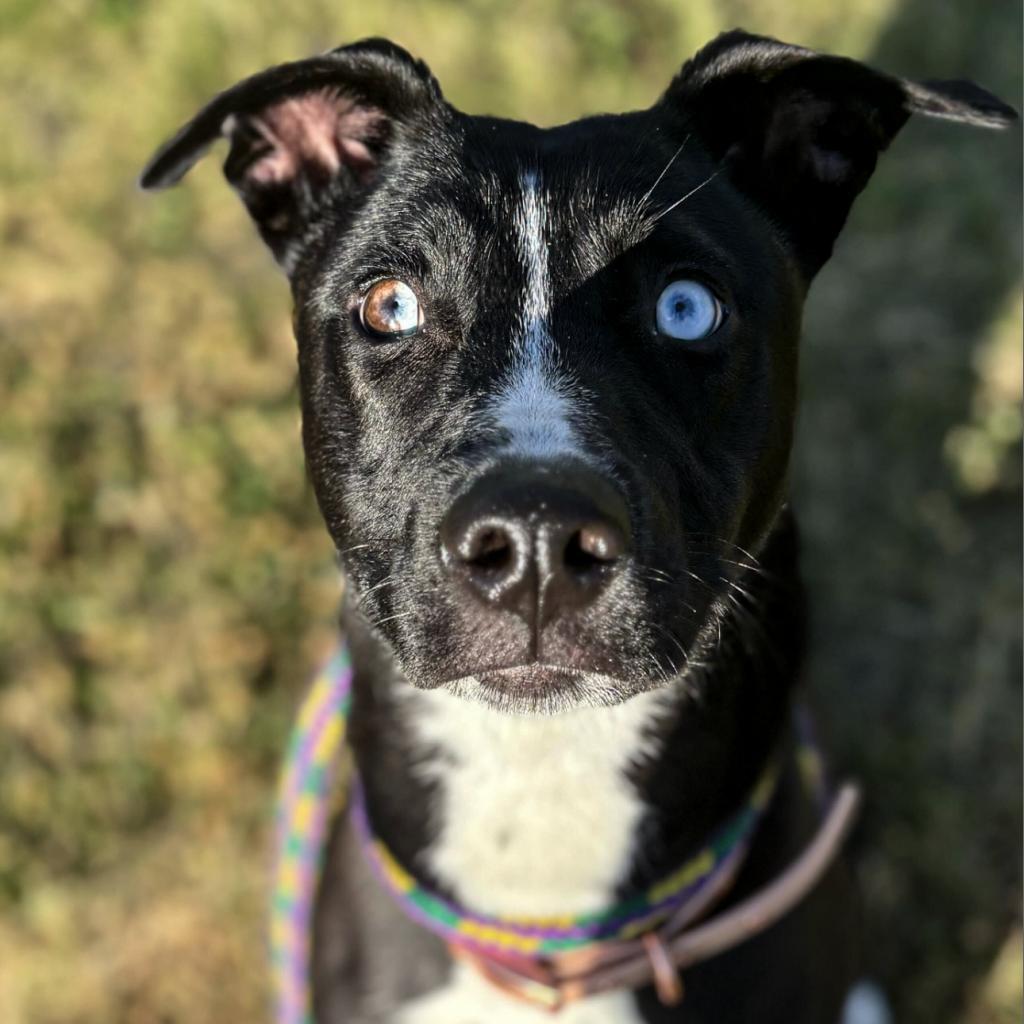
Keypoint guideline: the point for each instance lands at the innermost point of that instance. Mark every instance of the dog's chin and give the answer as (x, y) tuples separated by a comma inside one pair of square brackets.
[(543, 689)]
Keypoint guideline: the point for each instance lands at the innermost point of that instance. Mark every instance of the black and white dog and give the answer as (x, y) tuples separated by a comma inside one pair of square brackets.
[(548, 385)]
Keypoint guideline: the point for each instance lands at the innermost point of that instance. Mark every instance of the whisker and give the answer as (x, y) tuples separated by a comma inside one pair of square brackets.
[(711, 177), (697, 578), (377, 586), (749, 563), (665, 169), (655, 574), (739, 589), (348, 551), (745, 565), (754, 636), (682, 650), (743, 551), (377, 623)]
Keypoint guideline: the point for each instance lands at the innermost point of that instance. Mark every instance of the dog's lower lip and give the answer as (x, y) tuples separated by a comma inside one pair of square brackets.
[(534, 676), (537, 668), (532, 668)]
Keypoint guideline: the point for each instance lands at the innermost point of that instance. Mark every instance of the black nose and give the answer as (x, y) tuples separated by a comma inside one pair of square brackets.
[(536, 542)]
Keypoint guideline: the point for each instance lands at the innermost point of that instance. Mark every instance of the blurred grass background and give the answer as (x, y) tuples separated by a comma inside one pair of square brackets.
[(165, 584)]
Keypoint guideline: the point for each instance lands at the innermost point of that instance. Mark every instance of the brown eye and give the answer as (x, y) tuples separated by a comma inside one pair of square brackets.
[(390, 309)]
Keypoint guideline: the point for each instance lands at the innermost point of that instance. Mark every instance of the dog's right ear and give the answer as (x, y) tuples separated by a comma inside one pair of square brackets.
[(304, 135)]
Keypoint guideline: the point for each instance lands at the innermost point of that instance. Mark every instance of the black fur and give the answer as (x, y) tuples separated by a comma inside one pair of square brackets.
[(770, 144)]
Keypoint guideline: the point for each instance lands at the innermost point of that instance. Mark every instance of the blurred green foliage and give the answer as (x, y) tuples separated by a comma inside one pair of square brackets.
[(165, 584)]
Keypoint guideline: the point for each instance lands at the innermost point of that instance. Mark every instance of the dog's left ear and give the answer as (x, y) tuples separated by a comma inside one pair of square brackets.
[(800, 132), (306, 137)]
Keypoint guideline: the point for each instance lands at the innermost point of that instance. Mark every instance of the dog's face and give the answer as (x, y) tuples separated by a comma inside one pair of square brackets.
[(585, 403), (548, 376)]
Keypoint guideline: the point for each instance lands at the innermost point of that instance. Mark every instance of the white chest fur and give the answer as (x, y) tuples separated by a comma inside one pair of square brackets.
[(535, 815)]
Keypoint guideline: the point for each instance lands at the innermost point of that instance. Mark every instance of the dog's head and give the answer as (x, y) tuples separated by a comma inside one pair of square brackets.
[(548, 376)]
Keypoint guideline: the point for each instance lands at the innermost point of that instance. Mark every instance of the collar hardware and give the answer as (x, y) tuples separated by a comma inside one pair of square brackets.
[(667, 982)]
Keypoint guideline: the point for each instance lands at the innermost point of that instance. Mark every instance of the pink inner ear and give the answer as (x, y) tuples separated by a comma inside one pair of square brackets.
[(321, 131)]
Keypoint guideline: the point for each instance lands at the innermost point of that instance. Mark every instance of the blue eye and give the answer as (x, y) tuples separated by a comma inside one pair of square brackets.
[(391, 310), (688, 310)]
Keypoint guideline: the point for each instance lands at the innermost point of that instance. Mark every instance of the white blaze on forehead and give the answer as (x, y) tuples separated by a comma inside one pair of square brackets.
[(533, 406), (531, 225)]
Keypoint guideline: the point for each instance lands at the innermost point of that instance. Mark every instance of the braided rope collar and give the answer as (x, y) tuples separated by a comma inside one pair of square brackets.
[(545, 937), (303, 807), (301, 832)]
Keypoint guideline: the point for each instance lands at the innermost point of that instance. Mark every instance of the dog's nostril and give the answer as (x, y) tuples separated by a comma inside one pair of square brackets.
[(601, 541), (489, 549), (593, 546)]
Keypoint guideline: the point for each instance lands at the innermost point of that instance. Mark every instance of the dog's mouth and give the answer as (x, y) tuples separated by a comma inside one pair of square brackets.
[(539, 688)]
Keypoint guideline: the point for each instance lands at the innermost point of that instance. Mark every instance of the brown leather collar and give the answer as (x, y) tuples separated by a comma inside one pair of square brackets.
[(658, 956)]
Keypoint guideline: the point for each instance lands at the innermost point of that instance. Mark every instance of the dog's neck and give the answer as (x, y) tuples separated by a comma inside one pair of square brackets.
[(559, 815)]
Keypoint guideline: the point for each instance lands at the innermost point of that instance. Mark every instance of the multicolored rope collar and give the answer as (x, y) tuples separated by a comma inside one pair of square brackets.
[(301, 832), (545, 961), (690, 886)]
